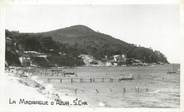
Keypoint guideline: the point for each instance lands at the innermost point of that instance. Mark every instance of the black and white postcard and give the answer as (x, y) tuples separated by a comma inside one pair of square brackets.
[(91, 57)]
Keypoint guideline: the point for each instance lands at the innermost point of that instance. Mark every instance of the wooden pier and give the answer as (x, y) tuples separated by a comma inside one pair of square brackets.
[(84, 80)]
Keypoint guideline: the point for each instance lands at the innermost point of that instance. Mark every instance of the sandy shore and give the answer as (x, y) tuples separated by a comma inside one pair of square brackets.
[(26, 91)]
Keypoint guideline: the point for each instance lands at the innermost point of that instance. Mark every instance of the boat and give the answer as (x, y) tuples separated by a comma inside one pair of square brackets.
[(173, 71), (126, 77)]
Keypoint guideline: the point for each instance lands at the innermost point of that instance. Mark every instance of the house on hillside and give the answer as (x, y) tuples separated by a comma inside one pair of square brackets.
[(119, 60), (108, 64), (87, 59), (28, 56)]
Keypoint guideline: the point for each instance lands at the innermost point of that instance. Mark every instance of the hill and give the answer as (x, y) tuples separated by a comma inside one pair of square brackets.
[(79, 39)]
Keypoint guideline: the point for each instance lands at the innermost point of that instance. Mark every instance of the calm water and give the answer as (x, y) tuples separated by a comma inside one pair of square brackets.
[(151, 87)]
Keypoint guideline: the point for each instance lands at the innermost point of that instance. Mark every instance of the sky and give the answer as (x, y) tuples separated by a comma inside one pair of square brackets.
[(154, 26)]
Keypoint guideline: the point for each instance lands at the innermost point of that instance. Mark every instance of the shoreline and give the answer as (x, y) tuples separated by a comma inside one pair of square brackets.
[(37, 89), (103, 94)]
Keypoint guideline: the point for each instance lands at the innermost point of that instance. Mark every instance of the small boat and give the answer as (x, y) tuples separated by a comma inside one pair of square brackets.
[(173, 71), (68, 74), (126, 77)]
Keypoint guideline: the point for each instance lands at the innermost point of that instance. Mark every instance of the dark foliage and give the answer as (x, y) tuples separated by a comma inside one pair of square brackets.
[(42, 62), (65, 60), (12, 59), (63, 46)]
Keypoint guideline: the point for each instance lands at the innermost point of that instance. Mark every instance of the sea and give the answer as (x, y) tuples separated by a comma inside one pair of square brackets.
[(154, 86)]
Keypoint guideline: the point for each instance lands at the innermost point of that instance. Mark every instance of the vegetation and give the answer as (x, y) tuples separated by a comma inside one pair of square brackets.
[(63, 46)]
